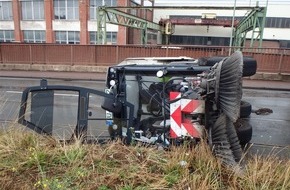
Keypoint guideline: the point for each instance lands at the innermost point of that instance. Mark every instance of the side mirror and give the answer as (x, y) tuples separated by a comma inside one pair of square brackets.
[(112, 105)]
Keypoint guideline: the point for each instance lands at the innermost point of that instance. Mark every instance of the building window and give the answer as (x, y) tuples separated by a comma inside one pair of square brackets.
[(151, 38), (199, 40), (94, 4), (6, 10), (67, 37), (6, 35), (110, 3), (66, 9), (34, 36), (277, 22), (32, 10), (93, 38), (111, 37), (285, 44), (134, 11)]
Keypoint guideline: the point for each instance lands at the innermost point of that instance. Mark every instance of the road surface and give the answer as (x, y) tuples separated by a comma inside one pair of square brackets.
[(271, 132)]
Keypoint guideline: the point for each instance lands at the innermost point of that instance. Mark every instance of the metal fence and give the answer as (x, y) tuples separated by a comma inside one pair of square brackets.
[(271, 60)]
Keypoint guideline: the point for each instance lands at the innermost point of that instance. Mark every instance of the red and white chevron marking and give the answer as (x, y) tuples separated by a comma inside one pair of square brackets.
[(179, 125)]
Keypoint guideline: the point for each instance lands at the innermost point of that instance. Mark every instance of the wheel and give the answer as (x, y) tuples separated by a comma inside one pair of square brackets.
[(249, 67), (244, 131), (245, 109)]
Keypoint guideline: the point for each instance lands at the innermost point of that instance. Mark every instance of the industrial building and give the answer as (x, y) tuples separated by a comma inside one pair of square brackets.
[(76, 22), (276, 26), (61, 21)]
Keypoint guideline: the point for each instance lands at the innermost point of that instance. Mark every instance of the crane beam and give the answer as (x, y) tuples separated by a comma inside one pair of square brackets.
[(255, 22), (114, 16)]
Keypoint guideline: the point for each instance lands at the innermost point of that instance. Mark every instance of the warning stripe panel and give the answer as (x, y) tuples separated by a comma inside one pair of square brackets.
[(180, 126)]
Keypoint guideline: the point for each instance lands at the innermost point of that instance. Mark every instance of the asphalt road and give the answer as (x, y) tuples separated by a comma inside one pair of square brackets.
[(271, 133)]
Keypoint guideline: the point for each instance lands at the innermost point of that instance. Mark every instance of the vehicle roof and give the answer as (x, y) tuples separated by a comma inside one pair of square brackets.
[(154, 60)]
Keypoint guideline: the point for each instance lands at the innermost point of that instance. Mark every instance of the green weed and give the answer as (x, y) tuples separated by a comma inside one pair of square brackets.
[(31, 161)]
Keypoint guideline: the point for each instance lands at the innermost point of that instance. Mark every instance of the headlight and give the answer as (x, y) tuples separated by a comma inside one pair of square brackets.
[(112, 82), (115, 127), (111, 75), (160, 73)]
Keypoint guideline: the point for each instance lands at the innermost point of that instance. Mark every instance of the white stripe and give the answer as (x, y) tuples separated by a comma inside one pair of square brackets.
[(184, 103), (18, 92), (174, 127), (199, 109), (14, 92), (74, 95), (184, 132)]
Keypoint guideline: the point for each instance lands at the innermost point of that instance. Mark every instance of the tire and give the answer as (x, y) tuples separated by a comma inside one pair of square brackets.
[(244, 131), (249, 66), (245, 109), (211, 61)]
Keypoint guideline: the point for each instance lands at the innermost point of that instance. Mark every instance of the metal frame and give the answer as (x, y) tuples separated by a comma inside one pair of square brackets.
[(114, 16), (255, 22)]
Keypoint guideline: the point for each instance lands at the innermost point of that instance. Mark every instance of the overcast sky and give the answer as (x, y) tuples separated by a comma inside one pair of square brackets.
[(219, 2)]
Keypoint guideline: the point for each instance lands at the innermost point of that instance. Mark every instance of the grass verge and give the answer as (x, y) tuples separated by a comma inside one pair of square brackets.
[(31, 161)]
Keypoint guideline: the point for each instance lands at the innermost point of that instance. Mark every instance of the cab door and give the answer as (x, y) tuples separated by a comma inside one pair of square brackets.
[(67, 112)]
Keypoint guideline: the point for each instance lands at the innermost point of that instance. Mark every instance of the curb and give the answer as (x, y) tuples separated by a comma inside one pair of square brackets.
[(267, 88), (271, 76), (67, 76), (52, 68)]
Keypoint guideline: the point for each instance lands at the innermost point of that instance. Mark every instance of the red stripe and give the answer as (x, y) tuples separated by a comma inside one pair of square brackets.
[(173, 134), (176, 116), (174, 95), (191, 106), (191, 129)]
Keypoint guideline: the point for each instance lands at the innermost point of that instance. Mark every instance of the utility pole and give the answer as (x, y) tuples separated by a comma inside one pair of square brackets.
[(232, 28)]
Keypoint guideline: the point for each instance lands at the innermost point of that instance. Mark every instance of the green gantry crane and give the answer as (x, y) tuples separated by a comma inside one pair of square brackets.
[(113, 16), (254, 21)]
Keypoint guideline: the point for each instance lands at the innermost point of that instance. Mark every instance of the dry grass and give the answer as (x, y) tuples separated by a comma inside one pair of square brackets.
[(31, 161)]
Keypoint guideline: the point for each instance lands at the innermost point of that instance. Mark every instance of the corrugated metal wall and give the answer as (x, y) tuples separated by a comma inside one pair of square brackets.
[(271, 60)]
